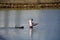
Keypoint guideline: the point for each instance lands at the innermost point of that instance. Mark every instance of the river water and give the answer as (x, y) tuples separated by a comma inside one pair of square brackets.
[(48, 27)]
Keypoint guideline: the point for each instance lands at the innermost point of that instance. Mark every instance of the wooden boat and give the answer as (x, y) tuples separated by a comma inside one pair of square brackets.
[(22, 27)]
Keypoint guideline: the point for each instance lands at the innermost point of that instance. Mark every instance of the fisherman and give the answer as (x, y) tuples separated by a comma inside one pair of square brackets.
[(31, 24)]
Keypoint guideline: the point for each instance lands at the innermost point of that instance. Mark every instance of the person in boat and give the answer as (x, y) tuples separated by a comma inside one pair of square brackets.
[(31, 24)]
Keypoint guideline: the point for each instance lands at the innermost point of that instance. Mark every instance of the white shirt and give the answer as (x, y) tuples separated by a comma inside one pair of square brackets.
[(30, 23)]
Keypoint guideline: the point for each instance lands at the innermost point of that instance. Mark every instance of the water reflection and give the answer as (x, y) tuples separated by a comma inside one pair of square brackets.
[(31, 34), (17, 34)]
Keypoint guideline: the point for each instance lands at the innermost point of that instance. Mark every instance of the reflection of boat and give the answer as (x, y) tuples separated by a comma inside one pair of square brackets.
[(22, 27)]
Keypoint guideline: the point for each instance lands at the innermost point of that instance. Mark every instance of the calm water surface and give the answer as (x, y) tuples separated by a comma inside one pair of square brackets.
[(48, 27)]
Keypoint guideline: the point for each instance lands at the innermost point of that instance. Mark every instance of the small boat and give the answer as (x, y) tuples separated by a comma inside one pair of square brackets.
[(22, 27)]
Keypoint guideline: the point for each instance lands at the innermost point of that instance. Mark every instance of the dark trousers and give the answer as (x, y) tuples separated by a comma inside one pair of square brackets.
[(31, 26)]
